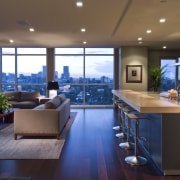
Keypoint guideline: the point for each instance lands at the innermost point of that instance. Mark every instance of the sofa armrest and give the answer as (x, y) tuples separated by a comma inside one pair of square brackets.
[(29, 121), (64, 113)]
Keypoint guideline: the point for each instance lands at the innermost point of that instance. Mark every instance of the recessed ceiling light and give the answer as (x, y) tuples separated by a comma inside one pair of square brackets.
[(31, 29), (84, 42), (163, 1), (140, 42), (79, 3), (83, 30), (164, 47), (11, 41), (148, 31), (139, 38), (162, 20)]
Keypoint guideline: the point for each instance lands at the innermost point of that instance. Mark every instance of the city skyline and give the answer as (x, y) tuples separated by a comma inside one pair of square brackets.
[(93, 67), (98, 61), (42, 74)]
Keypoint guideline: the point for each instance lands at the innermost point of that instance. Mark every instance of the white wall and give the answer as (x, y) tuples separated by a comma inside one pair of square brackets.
[(134, 56)]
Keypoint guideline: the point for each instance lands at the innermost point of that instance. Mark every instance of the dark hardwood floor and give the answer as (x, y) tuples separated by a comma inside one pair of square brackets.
[(91, 152)]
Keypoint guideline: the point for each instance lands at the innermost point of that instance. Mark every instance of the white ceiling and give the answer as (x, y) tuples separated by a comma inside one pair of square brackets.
[(109, 23)]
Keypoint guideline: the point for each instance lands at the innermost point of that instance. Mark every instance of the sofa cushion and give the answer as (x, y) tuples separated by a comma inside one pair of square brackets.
[(29, 96), (23, 104), (62, 97), (15, 96), (53, 103), (40, 107)]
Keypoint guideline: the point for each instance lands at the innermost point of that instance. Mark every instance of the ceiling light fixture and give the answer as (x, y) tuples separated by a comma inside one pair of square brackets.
[(11, 41), (79, 3), (140, 42), (84, 42), (139, 38), (31, 29), (148, 31), (83, 30), (162, 20), (163, 1), (164, 47)]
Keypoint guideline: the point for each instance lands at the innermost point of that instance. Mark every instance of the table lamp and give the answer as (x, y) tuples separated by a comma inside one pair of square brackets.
[(52, 87)]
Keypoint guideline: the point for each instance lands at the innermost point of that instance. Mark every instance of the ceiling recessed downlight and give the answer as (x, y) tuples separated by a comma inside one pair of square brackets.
[(83, 30), (31, 29), (84, 42), (139, 38), (162, 20), (164, 47), (11, 41), (148, 31), (79, 3)]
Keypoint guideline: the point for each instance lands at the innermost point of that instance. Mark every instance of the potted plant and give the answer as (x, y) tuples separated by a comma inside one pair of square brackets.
[(156, 74), (4, 103)]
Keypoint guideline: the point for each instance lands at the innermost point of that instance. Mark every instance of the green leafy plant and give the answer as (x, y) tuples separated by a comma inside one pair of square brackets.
[(156, 74), (4, 103)]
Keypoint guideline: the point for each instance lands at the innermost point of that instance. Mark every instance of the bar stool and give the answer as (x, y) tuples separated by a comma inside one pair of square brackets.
[(124, 109), (118, 102), (136, 159), (127, 145)]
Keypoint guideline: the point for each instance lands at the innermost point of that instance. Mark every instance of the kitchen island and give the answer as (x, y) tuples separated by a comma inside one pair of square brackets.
[(161, 131)]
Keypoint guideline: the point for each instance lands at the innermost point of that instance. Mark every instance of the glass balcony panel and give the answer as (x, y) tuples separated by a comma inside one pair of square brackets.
[(98, 95)]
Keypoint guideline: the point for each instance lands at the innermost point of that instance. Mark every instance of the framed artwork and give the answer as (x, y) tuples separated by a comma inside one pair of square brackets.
[(134, 73)]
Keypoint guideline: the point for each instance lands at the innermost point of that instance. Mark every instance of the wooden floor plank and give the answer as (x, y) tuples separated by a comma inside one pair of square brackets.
[(90, 152)]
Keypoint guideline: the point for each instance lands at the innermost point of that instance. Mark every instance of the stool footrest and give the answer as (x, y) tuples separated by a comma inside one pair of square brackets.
[(127, 145), (121, 135), (136, 160), (117, 128), (136, 116)]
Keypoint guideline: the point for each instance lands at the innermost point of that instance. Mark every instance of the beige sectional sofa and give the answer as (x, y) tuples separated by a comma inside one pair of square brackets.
[(24, 100), (45, 120)]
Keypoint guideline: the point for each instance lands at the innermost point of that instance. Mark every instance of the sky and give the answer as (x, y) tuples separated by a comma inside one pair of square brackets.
[(98, 65), (94, 66)]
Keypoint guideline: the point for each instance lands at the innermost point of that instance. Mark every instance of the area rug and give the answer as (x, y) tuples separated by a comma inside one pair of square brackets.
[(31, 147)]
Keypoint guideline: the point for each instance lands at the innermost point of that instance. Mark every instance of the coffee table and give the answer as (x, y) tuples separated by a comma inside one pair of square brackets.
[(8, 117)]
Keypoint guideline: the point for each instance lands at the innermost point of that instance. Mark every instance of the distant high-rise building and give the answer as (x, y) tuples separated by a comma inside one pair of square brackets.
[(65, 74), (56, 76), (44, 71)]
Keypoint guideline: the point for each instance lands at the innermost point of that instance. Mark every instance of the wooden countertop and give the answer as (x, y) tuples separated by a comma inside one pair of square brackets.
[(147, 102)]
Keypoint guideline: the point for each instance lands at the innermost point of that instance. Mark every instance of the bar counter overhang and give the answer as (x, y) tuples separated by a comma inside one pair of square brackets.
[(160, 132)]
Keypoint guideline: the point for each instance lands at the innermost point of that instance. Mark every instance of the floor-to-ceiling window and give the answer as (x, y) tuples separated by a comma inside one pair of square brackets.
[(85, 75), (169, 80), (23, 69)]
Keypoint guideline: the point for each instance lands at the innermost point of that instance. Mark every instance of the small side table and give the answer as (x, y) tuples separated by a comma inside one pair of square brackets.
[(43, 100), (8, 117)]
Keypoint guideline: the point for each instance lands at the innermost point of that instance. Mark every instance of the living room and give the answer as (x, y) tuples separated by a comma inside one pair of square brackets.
[(86, 50)]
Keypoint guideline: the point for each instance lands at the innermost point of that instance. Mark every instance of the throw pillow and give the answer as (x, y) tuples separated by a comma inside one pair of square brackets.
[(40, 107), (53, 103), (62, 97), (29, 96)]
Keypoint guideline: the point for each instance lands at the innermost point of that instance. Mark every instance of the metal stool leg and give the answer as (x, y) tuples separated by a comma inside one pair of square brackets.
[(136, 160), (118, 127), (127, 144), (122, 135)]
